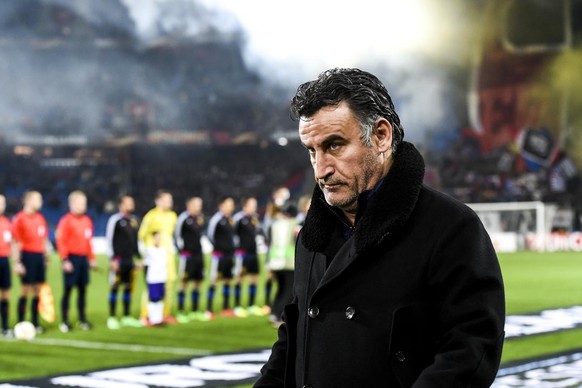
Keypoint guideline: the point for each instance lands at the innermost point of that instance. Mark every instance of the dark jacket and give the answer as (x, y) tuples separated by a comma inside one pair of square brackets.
[(414, 298)]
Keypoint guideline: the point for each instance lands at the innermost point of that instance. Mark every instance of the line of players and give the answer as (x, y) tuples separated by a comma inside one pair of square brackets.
[(25, 239), (234, 257), (234, 254)]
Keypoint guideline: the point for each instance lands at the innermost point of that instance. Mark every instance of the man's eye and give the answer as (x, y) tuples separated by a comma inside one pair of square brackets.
[(334, 146)]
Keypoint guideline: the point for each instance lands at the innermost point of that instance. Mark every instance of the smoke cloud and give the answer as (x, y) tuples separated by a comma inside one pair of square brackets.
[(413, 46), (83, 67)]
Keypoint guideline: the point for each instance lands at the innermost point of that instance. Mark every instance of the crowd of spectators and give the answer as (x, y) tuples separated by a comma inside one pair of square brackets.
[(140, 170)]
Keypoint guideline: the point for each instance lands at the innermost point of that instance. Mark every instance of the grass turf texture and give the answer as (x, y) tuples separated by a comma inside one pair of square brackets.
[(533, 281)]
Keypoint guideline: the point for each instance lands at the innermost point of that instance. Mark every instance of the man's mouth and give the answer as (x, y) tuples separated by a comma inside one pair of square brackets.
[(330, 186)]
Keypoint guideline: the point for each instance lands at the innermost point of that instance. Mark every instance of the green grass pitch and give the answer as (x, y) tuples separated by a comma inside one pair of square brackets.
[(533, 281)]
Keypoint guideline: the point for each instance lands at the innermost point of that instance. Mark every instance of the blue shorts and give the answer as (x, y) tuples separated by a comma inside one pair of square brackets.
[(156, 291), (5, 274), (34, 263), (80, 274)]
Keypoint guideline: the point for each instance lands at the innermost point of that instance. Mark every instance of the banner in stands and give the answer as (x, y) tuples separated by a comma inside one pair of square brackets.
[(553, 242)]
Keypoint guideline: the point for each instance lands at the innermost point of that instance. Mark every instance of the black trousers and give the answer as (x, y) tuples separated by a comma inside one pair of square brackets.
[(284, 293)]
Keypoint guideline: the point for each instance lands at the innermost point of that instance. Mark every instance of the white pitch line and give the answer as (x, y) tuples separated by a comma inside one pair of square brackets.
[(122, 347)]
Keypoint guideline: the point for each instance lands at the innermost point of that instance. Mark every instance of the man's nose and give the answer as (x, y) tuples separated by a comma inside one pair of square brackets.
[(322, 166)]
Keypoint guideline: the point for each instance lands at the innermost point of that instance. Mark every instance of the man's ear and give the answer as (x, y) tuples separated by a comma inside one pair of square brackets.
[(383, 134)]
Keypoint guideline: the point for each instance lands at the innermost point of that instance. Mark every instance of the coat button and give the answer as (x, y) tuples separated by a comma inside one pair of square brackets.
[(350, 312), (313, 312), (400, 356)]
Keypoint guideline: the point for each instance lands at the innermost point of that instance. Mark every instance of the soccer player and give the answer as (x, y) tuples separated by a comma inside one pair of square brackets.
[(30, 232), (5, 246), (121, 236), (162, 219), (156, 261), (221, 235), (73, 237), (246, 226), (188, 233)]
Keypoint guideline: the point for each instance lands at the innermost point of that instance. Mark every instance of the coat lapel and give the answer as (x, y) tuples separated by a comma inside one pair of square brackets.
[(343, 258)]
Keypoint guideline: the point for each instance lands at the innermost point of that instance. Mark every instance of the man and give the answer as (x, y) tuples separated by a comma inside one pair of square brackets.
[(121, 236), (246, 227), (162, 219), (396, 285), (279, 198), (29, 243), (5, 283), (221, 235), (73, 238), (282, 239), (188, 233)]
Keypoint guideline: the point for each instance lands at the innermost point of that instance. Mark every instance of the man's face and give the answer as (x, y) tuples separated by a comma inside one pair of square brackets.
[(227, 207), (194, 206), (127, 205), (342, 165), (165, 202), (33, 201), (78, 204), (280, 196), (250, 206)]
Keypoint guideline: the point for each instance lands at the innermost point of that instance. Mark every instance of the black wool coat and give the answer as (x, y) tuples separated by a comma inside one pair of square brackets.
[(414, 298)]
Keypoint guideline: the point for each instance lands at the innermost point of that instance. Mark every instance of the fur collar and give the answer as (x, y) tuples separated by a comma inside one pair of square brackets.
[(387, 210)]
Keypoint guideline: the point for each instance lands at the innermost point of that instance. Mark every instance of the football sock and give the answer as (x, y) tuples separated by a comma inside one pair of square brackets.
[(195, 296), (268, 289), (226, 296), (156, 312), (112, 302), (126, 301), (211, 291), (181, 296), (237, 292), (4, 314), (34, 311), (252, 293), (21, 308), (65, 303)]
